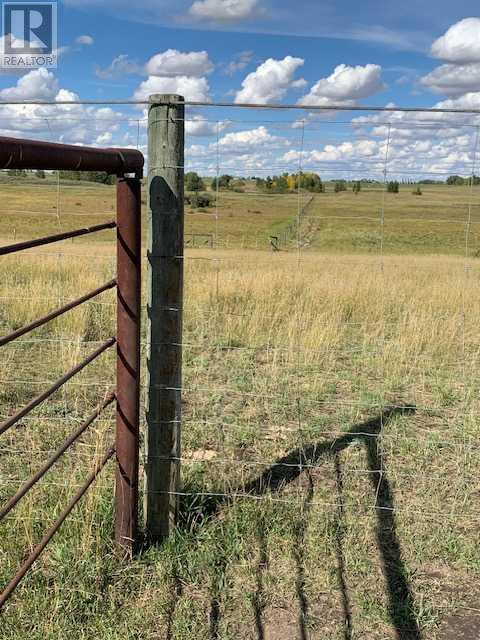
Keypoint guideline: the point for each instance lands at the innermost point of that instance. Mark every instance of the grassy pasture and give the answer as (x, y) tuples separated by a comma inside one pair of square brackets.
[(288, 357), (340, 222)]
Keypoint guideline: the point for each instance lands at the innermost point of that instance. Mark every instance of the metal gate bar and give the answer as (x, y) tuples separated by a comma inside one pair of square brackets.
[(33, 154)]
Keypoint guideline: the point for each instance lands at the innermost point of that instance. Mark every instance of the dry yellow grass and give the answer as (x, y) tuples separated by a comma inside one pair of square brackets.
[(283, 353)]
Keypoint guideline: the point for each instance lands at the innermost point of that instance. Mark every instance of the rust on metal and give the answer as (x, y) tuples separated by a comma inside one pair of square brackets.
[(128, 361), (37, 551), (25, 488), (58, 312), (30, 154), (16, 153), (38, 242), (13, 419)]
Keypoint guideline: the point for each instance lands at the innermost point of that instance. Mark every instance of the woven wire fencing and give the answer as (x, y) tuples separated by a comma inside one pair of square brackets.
[(331, 356), (330, 347), (360, 300)]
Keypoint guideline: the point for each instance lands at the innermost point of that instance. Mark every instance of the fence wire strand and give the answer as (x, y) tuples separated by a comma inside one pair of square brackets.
[(299, 366)]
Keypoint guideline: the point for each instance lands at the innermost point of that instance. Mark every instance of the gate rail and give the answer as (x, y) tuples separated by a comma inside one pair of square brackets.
[(31, 154)]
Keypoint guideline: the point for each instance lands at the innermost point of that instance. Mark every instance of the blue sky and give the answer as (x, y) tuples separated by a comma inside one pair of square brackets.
[(395, 35), (323, 53)]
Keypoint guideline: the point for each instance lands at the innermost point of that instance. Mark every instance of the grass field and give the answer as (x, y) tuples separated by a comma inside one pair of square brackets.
[(352, 364), (340, 222)]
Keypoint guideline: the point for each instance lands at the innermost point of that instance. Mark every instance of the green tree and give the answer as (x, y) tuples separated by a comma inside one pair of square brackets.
[(340, 185), (475, 180), (199, 200), (193, 182), (393, 186), (456, 180), (97, 176), (223, 182), (281, 184), (357, 187), (311, 182)]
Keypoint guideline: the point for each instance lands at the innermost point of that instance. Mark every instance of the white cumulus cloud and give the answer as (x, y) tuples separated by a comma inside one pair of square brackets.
[(271, 80), (346, 85), (470, 100), (71, 123), (104, 138), (453, 79), (460, 44), (200, 126), (172, 63), (460, 48), (224, 10), (241, 140), (239, 62), (120, 66), (39, 84), (195, 89), (240, 152), (173, 71)]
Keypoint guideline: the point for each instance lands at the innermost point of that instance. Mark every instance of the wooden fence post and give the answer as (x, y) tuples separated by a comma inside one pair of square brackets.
[(166, 127)]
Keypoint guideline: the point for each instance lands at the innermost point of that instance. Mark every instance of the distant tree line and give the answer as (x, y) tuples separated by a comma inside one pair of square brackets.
[(460, 181), (17, 173), (194, 182), (23, 173), (86, 176), (289, 182)]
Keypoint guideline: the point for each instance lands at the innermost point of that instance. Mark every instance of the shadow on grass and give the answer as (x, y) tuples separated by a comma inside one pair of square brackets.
[(262, 565), (287, 469), (300, 532), (216, 589), (176, 594), (339, 534)]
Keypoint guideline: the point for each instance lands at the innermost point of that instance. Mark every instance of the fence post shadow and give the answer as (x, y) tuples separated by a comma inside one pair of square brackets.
[(401, 599), (216, 588), (339, 535), (288, 468), (176, 594), (262, 564), (300, 531)]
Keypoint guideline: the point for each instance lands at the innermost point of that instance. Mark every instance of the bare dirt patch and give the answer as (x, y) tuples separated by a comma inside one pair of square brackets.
[(461, 626)]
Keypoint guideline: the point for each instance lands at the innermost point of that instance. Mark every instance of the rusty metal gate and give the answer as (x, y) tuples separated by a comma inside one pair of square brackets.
[(127, 165)]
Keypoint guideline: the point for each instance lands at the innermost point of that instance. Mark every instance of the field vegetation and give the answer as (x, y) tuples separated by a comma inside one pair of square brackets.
[(331, 420)]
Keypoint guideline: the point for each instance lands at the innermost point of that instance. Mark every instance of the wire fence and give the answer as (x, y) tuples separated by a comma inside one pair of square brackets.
[(330, 342)]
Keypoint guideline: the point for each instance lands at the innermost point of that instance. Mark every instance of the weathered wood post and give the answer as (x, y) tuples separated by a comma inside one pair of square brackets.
[(166, 126)]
